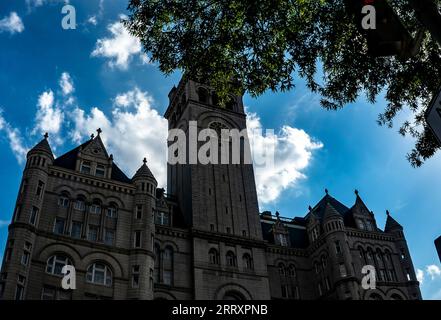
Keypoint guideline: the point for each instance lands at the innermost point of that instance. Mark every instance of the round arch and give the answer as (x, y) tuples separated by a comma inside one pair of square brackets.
[(232, 290)]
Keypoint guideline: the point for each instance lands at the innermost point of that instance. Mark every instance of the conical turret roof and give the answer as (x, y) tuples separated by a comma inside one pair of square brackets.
[(144, 172)]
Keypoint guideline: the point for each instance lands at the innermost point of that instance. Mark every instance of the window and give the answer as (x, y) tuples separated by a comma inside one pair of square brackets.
[(25, 258), (285, 290), (317, 267), (337, 247), (320, 290), (315, 234), (56, 263), (282, 239), (138, 211), (63, 201), (212, 227), (111, 211), (19, 292), (135, 276), (109, 238), (92, 235), (162, 218), (99, 273), (95, 208), (231, 259), (327, 285), (51, 293), (17, 213), (40, 188), (281, 267), (76, 229), (247, 262), (360, 224), (382, 275), (80, 204), (292, 271), (213, 256), (168, 266), (343, 272), (324, 262), (137, 239), (403, 254), (34, 215), (228, 230), (100, 171), (369, 225), (156, 273), (59, 226), (151, 278), (85, 167), (202, 95)]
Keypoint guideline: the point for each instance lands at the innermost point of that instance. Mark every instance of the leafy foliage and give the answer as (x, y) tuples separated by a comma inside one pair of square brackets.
[(264, 44)]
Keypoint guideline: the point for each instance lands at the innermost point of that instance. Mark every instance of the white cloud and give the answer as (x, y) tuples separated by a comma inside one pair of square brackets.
[(15, 140), (293, 150), (134, 130), (92, 20), (4, 223), (49, 117), (119, 48), (66, 84), (433, 271), (12, 24), (420, 276)]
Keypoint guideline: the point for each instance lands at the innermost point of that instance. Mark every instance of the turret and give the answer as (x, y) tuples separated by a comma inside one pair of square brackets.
[(21, 239), (143, 229), (403, 256)]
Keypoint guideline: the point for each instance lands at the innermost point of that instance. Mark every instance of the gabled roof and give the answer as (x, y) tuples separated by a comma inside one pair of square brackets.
[(391, 224), (69, 159), (320, 208)]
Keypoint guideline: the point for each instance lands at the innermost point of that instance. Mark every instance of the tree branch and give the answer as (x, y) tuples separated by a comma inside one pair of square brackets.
[(428, 14)]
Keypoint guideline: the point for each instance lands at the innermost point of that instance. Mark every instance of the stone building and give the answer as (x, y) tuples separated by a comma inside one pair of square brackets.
[(202, 239)]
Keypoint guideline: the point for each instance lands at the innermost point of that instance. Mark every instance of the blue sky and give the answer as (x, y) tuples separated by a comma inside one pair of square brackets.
[(70, 82)]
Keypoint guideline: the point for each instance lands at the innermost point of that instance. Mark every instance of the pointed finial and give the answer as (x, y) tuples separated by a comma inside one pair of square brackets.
[(46, 135), (309, 208), (92, 136), (99, 131), (326, 191), (144, 160), (277, 214), (387, 213), (356, 192), (111, 156)]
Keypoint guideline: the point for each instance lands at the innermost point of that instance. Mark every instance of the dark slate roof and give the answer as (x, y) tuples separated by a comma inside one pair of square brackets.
[(144, 171), (320, 207), (69, 159), (43, 145), (392, 224)]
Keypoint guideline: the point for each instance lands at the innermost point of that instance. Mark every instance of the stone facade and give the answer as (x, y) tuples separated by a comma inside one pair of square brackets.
[(202, 239)]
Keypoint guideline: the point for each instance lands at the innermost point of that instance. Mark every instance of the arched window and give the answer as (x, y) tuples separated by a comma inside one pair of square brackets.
[(157, 263), (56, 263), (214, 98), (214, 256), (233, 295), (247, 262), (282, 270), (63, 200), (167, 260), (95, 207), (317, 267), (324, 262), (292, 270), (396, 296), (80, 203), (379, 258), (112, 210), (369, 256), (231, 259), (375, 296), (99, 273), (202, 95)]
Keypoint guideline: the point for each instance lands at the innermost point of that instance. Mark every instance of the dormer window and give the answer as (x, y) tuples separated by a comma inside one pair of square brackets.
[(162, 218), (315, 234), (369, 225), (86, 167), (360, 224), (282, 239), (100, 171)]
